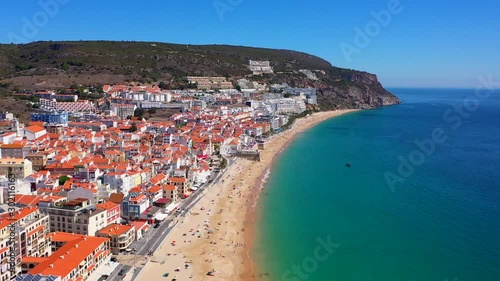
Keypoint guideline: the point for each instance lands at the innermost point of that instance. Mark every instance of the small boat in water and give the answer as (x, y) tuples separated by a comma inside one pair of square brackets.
[(347, 165)]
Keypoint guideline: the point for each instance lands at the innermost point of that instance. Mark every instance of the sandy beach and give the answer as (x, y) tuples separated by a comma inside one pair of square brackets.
[(217, 235)]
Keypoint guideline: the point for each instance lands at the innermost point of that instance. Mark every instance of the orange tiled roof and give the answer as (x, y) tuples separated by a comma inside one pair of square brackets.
[(35, 128), (169, 187), (29, 200), (107, 205), (12, 145), (115, 229), (154, 189), (76, 249), (177, 179), (6, 219)]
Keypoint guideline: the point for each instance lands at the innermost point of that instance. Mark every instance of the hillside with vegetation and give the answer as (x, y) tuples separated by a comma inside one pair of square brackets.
[(58, 65)]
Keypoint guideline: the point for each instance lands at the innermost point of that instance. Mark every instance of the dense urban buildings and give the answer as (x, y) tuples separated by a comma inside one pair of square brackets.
[(90, 178)]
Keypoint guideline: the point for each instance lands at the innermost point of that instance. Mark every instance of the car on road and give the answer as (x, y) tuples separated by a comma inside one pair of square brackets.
[(156, 225), (121, 273)]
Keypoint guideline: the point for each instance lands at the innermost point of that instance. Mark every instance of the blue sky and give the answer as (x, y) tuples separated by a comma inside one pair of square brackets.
[(425, 43)]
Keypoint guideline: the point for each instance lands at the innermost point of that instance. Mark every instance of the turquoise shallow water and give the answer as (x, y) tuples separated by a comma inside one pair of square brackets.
[(441, 223)]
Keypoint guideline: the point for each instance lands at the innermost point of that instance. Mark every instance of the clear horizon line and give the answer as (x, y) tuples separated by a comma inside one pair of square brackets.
[(434, 87)]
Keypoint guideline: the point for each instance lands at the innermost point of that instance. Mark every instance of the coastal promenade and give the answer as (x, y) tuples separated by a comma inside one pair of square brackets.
[(215, 236), (155, 236)]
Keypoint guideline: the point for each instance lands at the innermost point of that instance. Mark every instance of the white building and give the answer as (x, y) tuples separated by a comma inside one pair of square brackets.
[(22, 188), (29, 236), (119, 182), (260, 67), (77, 216), (123, 110), (34, 132), (8, 138)]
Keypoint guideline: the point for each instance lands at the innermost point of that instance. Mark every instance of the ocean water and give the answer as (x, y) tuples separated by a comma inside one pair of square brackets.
[(437, 217)]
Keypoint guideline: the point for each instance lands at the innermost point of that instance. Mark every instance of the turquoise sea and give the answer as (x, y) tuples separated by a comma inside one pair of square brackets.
[(438, 220)]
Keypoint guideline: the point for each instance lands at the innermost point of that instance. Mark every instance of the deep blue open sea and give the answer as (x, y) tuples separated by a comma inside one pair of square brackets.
[(402, 211)]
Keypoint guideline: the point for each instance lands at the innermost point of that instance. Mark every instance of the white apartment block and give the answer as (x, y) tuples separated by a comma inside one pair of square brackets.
[(260, 67), (75, 257), (147, 96), (123, 110), (27, 238), (283, 106)]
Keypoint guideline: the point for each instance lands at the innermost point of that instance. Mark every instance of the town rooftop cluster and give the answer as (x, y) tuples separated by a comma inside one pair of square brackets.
[(92, 177)]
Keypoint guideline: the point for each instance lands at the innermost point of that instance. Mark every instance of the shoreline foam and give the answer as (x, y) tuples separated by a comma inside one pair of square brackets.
[(251, 273), (230, 210)]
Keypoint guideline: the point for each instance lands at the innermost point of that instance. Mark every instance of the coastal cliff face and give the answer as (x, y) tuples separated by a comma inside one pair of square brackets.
[(57, 65), (358, 90)]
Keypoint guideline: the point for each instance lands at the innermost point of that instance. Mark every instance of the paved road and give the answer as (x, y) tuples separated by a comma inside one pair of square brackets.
[(114, 275), (155, 236)]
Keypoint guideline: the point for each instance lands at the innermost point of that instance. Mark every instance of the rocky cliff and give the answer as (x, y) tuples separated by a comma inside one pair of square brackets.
[(46, 65)]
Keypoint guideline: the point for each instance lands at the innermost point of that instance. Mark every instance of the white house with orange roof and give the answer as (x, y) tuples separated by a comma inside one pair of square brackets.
[(8, 137), (76, 258), (159, 179), (30, 237), (154, 193), (141, 227), (27, 200), (34, 132)]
